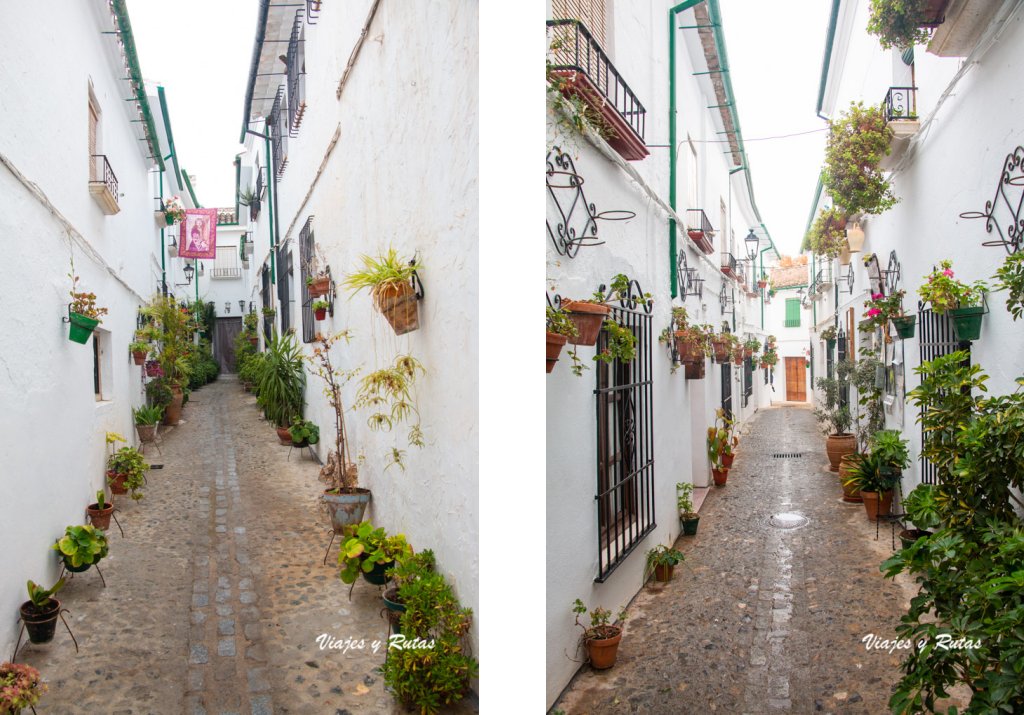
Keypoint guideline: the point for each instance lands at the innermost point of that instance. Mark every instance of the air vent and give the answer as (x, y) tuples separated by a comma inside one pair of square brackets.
[(787, 455)]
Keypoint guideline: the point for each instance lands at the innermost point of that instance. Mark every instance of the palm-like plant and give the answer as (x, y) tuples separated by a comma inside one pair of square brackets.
[(282, 380), (172, 327)]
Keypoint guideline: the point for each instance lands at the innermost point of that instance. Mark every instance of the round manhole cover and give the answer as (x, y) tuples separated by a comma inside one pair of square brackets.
[(787, 520)]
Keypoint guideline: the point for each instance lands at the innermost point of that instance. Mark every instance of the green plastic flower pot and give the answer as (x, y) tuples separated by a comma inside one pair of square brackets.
[(81, 328), (905, 326), (689, 526), (378, 574), (830, 344), (967, 322)]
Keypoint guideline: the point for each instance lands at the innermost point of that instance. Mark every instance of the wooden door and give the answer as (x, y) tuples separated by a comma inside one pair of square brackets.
[(225, 331), (796, 379)]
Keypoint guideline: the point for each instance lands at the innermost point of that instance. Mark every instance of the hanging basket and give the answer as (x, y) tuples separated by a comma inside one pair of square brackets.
[(689, 351), (81, 328), (398, 304), (320, 313), (721, 350), (694, 370), (967, 322), (905, 326), (319, 286)]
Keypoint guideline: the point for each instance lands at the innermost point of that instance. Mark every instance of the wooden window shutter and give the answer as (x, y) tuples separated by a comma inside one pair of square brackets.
[(792, 312)]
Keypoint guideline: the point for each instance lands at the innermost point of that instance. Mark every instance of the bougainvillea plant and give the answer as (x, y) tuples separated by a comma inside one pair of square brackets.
[(944, 292), (857, 142), (827, 236)]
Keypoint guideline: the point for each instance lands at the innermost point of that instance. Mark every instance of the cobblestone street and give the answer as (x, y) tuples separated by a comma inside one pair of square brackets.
[(217, 592), (759, 618)]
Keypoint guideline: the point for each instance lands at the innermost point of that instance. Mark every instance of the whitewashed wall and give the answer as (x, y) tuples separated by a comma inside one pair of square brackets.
[(682, 408), (53, 450), (791, 341)]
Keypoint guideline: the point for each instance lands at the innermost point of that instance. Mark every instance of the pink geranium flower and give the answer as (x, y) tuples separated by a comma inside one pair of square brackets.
[(876, 296), (873, 312), (948, 273)]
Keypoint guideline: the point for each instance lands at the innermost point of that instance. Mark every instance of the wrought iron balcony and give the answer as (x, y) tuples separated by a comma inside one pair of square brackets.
[(295, 69), (278, 123), (901, 104), (729, 264), (103, 184), (585, 71), (699, 229)]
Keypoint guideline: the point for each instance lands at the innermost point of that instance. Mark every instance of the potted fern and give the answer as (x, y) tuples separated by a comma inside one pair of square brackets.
[(388, 278)]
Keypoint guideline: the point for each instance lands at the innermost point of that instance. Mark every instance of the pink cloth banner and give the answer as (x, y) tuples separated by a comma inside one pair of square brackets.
[(198, 234)]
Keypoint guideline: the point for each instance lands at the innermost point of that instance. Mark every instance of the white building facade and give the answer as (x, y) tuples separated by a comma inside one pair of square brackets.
[(676, 229), (789, 316)]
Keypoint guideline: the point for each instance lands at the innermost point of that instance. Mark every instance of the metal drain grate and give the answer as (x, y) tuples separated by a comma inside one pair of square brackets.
[(787, 520), (787, 455)]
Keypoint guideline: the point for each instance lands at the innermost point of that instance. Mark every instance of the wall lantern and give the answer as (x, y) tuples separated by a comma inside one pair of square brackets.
[(753, 242), (189, 272), (227, 306), (241, 306)]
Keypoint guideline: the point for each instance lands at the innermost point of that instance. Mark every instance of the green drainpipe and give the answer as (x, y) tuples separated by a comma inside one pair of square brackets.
[(270, 204), (163, 248)]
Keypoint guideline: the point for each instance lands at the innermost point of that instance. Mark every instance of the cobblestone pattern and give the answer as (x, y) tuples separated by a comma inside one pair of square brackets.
[(761, 619), (217, 593)]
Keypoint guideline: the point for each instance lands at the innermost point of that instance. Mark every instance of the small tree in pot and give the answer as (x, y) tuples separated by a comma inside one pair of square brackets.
[(601, 638), (834, 416)]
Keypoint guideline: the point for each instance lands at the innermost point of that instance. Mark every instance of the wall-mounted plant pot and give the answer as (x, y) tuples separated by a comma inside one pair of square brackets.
[(720, 348), (320, 313), (905, 326), (689, 351), (319, 286), (100, 518), (720, 476), (737, 360), (346, 508), (139, 356), (116, 482), (877, 504), (689, 524), (837, 446), (81, 328), (588, 319), (554, 348), (694, 370), (967, 322), (40, 623), (400, 307), (603, 651)]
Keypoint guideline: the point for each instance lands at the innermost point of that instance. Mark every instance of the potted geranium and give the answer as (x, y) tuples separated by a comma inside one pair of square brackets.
[(964, 303), (173, 211), (39, 613), (371, 552), (100, 512), (688, 518), (81, 547), (389, 280), (661, 561), (84, 314), (21, 687), (320, 308), (601, 638), (904, 23)]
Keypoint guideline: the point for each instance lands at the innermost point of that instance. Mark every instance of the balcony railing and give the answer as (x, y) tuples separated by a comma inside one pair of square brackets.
[(699, 229), (226, 263), (728, 264), (278, 123), (588, 72), (295, 69), (103, 184), (901, 104)]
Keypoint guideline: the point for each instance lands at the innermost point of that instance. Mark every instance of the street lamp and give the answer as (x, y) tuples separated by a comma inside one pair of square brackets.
[(753, 242), (189, 272), (241, 306)]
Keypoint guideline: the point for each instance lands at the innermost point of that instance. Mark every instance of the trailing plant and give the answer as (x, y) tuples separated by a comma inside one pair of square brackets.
[(130, 463), (389, 394), (664, 556), (752, 345), (339, 473), (303, 431), (1010, 277), (969, 571), (827, 235), (82, 545), (944, 292), (575, 112), (600, 626), (558, 322), (833, 416), (21, 687), (898, 23), (621, 344), (282, 380), (41, 597), (857, 142), (148, 414)]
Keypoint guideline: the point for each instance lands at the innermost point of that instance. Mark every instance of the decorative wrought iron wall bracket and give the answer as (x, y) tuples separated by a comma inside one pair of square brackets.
[(1003, 212), (688, 278), (576, 225), (417, 284), (633, 298), (892, 274)]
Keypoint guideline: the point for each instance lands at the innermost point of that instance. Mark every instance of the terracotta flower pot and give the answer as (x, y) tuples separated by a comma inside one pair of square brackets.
[(284, 435), (554, 348), (319, 286), (663, 572), (721, 350), (139, 356), (838, 445), (320, 313), (689, 350), (603, 651), (720, 475), (254, 340), (399, 306), (876, 504), (850, 493), (727, 460), (694, 370), (588, 319), (172, 413), (100, 518), (116, 482)]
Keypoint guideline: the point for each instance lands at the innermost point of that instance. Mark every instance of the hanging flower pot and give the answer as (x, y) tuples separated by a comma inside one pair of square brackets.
[(554, 348), (967, 322), (904, 325), (398, 304), (737, 359), (721, 350), (689, 349), (694, 370), (320, 313), (139, 356), (81, 328), (588, 319), (318, 286)]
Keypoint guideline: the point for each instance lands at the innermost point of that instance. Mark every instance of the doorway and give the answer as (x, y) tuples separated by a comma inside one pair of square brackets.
[(796, 379), (224, 335)]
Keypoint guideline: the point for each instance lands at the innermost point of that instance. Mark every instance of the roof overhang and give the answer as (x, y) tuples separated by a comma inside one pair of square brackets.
[(266, 71)]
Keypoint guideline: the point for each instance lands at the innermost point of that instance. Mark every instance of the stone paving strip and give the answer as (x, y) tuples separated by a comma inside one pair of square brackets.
[(761, 619), (217, 593)]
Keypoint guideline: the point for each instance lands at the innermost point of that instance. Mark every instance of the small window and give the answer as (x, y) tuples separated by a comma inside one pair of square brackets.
[(102, 368), (792, 313), (95, 138)]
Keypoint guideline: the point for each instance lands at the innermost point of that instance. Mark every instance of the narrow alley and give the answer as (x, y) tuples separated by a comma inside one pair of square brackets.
[(217, 592), (761, 618)]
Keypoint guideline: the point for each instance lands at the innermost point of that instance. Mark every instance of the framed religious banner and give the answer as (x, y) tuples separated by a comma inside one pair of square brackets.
[(198, 234)]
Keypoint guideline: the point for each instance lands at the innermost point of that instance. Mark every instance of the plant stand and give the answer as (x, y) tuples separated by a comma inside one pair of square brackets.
[(113, 515), (309, 447), (64, 569), (60, 614)]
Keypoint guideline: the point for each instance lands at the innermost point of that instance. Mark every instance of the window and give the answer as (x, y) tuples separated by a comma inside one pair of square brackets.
[(935, 339), (284, 298), (277, 124), (306, 252), (625, 446), (792, 313), (95, 146), (102, 367), (590, 12), (96, 366), (268, 322), (225, 265), (295, 62)]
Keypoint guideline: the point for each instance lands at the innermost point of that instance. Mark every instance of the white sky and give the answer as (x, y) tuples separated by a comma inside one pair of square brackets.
[(775, 51), (200, 52)]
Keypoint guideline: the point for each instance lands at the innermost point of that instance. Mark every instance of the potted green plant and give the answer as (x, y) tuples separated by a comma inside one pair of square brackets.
[(174, 327), (403, 574), (688, 518), (303, 432), (39, 613), (371, 552), (964, 303), (320, 308), (1010, 277), (829, 336), (147, 418), (600, 638), (922, 509), (100, 512), (834, 417), (827, 236), (692, 341), (661, 561), (84, 314), (751, 346), (559, 329), (128, 469), (762, 282), (344, 500), (389, 280), (858, 140), (139, 351), (389, 393), (21, 687), (721, 345), (318, 282), (250, 324), (904, 23), (282, 382), (717, 442), (81, 547), (269, 312), (875, 484)]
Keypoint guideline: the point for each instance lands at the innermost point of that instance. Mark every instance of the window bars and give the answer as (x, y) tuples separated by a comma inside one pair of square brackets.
[(727, 388), (268, 321), (306, 253), (277, 122), (625, 440), (748, 380), (900, 104), (1003, 212), (284, 296), (295, 69)]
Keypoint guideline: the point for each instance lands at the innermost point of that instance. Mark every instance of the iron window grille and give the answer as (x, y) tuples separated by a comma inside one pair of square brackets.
[(254, 205), (625, 444), (295, 69), (936, 338), (268, 321), (727, 388), (900, 104), (748, 380), (225, 265), (277, 122), (284, 275), (101, 174), (306, 252)]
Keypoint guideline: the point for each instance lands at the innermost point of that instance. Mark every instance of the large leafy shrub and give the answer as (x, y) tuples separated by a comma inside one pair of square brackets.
[(857, 142)]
